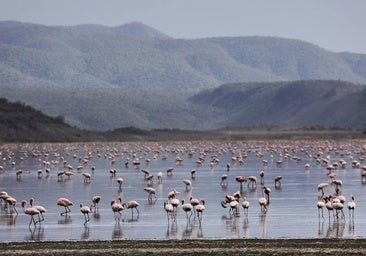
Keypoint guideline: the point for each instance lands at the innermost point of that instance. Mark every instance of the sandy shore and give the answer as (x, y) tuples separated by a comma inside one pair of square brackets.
[(190, 247)]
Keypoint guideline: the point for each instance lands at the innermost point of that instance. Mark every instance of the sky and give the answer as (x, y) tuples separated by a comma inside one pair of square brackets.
[(335, 25)]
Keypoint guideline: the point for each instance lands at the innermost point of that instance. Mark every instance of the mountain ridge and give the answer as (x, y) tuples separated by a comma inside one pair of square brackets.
[(103, 78), (137, 56)]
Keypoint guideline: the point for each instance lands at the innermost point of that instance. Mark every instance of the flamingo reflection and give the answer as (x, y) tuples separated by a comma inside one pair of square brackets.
[(117, 231)]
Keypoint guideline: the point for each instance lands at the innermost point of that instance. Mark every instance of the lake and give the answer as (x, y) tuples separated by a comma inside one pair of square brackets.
[(292, 211)]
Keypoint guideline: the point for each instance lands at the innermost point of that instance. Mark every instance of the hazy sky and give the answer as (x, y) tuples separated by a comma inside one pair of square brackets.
[(336, 25)]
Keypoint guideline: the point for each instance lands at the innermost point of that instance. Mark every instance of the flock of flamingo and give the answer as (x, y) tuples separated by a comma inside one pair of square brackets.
[(349, 155)]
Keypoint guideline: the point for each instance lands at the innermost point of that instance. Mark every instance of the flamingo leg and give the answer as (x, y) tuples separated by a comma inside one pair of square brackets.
[(86, 216), (42, 217), (39, 218)]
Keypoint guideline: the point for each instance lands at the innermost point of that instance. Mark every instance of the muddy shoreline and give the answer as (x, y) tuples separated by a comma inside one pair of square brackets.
[(190, 247)]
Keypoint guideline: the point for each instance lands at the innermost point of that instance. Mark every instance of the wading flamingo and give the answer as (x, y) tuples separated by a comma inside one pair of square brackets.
[(132, 205), (95, 201), (40, 208), (85, 210), (117, 208), (351, 206), (65, 203), (31, 211)]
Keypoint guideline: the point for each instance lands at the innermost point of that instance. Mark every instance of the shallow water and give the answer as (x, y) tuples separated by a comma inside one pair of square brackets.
[(292, 212)]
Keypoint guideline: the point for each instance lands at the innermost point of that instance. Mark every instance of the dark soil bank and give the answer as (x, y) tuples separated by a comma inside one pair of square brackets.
[(190, 247)]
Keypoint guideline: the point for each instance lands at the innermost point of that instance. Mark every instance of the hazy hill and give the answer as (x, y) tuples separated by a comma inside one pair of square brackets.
[(22, 123), (140, 57), (312, 102), (103, 78)]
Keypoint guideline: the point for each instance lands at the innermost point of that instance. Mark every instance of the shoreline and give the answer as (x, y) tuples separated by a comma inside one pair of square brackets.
[(255, 246)]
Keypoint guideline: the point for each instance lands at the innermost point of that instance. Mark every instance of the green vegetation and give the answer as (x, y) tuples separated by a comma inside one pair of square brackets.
[(139, 57), (298, 103), (22, 123)]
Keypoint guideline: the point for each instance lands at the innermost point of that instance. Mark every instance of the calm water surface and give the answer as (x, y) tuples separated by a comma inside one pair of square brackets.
[(292, 212)]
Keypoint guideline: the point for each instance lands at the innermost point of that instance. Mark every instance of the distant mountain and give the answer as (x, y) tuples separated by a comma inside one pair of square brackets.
[(103, 78), (22, 123), (140, 57), (300, 103)]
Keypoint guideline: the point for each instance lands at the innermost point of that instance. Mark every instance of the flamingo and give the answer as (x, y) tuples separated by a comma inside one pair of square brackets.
[(146, 173), (85, 210), (337, 206), (224, 181), (278, 181), (60, 175), (12, 202), (320, 205), (234, 207), (188, 184), (193, 172), (261, 174), (87, 177), (40, 208), (149, 179), (31, 211), (160, 177), (187, 207), (245, 204), (338, 183), (329, 206), (95, 201), (173, 194), (363, 176), (3, 196), (113, 172), (233, 202), (241, 179), (252, 181), (152, 192), (267, 192), (263, 202), (120, 182), (200, 208), (175, 202), (65, 203), (351, 206), (117, 207), (321, 187), (68, 174), (169, 209), (169, 171), (132, 205)]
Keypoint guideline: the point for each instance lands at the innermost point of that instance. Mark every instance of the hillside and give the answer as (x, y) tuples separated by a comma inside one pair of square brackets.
[(312, 102), (300, 103), (103, 78), (22, 123), (140, 57)]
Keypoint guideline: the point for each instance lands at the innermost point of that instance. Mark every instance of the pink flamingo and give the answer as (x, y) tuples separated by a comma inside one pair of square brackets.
[(65, 203), (85, 210), (31, 211), (95, 201), (132, 205), (117, 207), (40, 208)]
